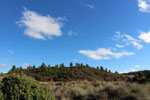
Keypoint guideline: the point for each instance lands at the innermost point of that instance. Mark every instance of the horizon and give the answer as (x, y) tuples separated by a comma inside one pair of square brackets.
[(114, 34)]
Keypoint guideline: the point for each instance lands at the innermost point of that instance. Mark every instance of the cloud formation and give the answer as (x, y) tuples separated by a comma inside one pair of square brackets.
[(144, 5), (137, 66), (90, 6), (72, 33), (120, 46), (10, 52), (145, 36), (4, 65), (126, 40), (104, 54), (40, 27), (7, 60), (25, 65)]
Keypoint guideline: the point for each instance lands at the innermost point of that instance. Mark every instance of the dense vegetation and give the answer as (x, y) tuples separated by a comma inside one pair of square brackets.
[(99, 90), (21, 87), (139, 76), (78, 82), (63, 73)]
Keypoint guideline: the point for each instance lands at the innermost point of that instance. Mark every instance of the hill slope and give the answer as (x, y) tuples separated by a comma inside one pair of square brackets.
[(62, 73)]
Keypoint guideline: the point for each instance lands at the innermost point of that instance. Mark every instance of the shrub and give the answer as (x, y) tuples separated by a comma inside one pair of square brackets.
[(1, 96), (21, 87)]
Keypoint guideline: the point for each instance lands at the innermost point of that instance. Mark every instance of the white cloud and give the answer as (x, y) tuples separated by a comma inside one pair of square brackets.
[(137, 66), (25, 65), (72, 33), (133, 70), (130, 70), (126, 40), (145, 36), (117, 35), (75, 60), (89, 6), (120, 46), (40, 27), (7, 60), (104, 54), (124, 72), (144, 5), (4, 65), (10, 52), (133, 41)]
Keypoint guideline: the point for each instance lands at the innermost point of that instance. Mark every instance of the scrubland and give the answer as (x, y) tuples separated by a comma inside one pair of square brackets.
[(99, 90)]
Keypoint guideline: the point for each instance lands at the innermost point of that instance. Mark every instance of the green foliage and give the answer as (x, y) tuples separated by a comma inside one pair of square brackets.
[(21, 87), (1, 96), (101, 68), (70, 73), (13, 70)]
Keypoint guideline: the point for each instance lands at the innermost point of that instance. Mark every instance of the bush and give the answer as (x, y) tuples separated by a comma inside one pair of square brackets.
[(21, 87), (1, 96)]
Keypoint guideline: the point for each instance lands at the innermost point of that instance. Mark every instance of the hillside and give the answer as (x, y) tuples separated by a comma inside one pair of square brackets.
[(139, 76), (68, 73)]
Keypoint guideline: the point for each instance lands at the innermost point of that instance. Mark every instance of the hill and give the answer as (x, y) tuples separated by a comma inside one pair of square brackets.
[(68, 73), (139, 76)]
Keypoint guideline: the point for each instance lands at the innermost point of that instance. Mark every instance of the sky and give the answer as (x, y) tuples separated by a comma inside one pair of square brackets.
[(110, 33)]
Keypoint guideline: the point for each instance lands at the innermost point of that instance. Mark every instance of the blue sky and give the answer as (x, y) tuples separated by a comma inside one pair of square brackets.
[(110, 33)]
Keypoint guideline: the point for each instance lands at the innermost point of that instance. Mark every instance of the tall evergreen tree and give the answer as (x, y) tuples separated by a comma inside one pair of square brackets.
[(102, 69)]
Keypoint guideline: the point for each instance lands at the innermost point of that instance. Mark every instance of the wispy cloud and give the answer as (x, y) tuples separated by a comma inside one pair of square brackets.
[(4, 65), (25, 65), (104, 54), (72, 33), (40, 27), (137, 66), (90, 6), (126, 40), (131, 69), (10, 52), (120, 46), (144, 5), (7, 60), (145, 36)]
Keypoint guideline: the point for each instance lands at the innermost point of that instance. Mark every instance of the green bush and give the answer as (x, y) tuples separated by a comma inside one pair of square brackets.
[(21, 87), (1, 96)]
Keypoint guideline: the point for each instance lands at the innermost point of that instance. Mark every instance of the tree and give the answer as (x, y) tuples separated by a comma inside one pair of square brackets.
[(56, 66), (97, 67), (20, 87), (34, 68), (49, 66), (101, 68), (62, 65), (71, 64), (109, 71), (105, 69), (20, 70), (87, 65), (82, 65), (13, 70), (116, 72), (43, 67)]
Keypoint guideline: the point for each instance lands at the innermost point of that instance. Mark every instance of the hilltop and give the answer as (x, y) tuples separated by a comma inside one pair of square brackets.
[(68, 73)]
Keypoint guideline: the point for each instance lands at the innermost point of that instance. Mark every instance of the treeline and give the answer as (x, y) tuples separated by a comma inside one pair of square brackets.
[(68, 73)]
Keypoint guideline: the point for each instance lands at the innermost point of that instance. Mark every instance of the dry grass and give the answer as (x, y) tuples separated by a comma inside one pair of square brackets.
[(97, 90)]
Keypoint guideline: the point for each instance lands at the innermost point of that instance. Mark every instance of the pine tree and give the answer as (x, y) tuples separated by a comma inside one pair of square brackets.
[(102, 69), (71, 64), (13, 70)]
